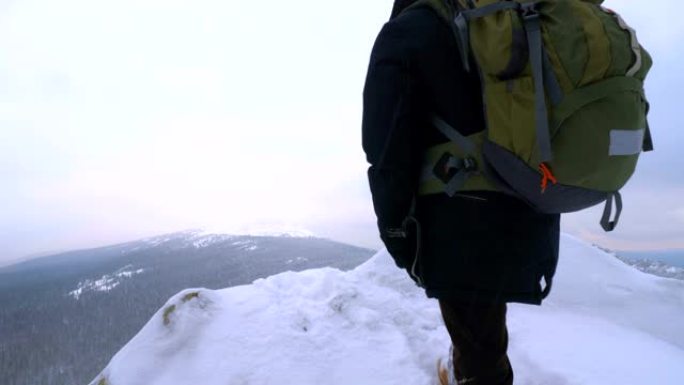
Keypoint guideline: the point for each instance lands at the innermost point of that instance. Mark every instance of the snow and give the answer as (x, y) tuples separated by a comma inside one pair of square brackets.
[(202, 238), (247, 245), (189, 238), (605, 323), (105, 283), (200, 241), (262, 230), (298, 259)]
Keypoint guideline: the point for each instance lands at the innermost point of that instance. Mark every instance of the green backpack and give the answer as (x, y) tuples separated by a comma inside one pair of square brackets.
[(562, 83)]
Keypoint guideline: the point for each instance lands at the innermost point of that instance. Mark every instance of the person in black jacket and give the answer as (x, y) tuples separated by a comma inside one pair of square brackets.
[(473, 252)]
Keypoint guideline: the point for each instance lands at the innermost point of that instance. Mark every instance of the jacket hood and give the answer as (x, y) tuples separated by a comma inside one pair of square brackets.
[(400, 5)]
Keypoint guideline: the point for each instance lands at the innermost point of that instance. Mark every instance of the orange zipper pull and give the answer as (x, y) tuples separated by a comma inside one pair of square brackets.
[(547, 176)]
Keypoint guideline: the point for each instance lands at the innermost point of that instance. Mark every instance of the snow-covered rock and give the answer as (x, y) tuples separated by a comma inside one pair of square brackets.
[(605, 323)]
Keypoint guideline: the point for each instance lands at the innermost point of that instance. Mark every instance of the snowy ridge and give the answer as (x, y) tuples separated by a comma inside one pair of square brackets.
[(201, 238), (189, 238), (605, 323), (257, 230)]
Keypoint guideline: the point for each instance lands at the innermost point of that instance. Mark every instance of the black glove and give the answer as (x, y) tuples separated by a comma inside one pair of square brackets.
[(403, 244)]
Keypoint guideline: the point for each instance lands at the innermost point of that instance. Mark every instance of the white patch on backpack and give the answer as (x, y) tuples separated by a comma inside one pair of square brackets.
[(626, 142)]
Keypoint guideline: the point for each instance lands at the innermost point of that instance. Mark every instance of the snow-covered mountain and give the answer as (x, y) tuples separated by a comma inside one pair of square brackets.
[(658, 268), (63, 317), (605, 323)]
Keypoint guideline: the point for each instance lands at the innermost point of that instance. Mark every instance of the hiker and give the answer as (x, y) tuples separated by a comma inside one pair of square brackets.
[(472, 245), (478, 250)]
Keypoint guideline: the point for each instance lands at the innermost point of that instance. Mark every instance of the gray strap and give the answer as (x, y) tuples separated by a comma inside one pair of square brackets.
[(534, 38), (454, 162), (457, 182), (463, 39), (636, 47), (414, 266), (490, 9), (461, 23), (548, 280), (553, 87), (467, 145), (606, 223), (519, 56), (648, 139), (459, 179)]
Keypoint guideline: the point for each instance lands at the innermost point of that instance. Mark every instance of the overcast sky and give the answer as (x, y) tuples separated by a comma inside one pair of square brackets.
[(128, 118)]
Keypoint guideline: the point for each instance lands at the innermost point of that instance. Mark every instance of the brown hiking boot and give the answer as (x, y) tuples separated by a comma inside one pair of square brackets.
[(444, 373), (446, 376)]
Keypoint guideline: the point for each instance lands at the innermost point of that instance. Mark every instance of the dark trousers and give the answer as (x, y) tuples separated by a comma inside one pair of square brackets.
[(480, 342)]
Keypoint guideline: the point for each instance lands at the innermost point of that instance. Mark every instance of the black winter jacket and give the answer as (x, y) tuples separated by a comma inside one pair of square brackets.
[(482, 247)]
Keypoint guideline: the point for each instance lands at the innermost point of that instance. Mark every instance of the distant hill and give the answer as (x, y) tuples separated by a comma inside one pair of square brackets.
[(669, 257), (64, 316), (656, 268)]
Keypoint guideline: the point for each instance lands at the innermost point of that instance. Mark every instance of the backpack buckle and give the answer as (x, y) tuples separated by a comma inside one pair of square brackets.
[(449, 165), (529, 11), (469, 164)]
